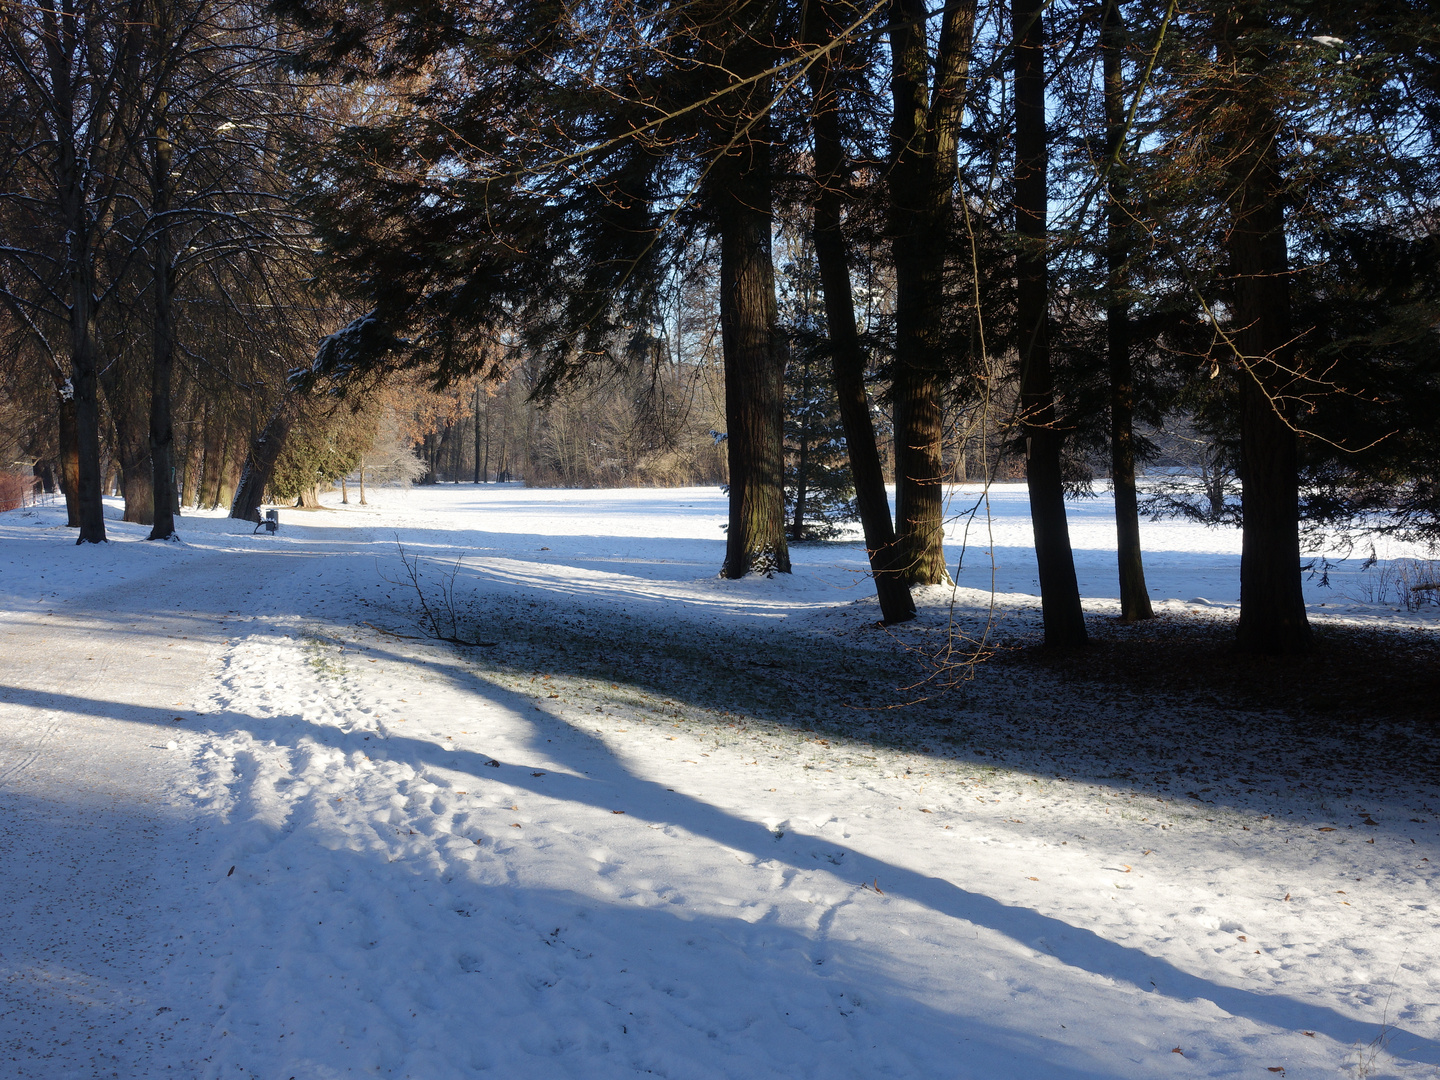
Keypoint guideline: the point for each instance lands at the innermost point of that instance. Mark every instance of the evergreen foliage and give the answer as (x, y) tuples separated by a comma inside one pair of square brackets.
[(819, 491)]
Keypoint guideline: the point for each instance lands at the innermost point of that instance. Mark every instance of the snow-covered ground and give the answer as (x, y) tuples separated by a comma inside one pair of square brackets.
[(252, 824)]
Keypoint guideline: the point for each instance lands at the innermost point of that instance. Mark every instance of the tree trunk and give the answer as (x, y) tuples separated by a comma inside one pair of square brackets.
[(846, 355), (194, 462), (69, 457), (477, 431), (135, 483), (89, 482), (802, 463), (217, 441), (1134, 597), (162, 428), (362, 485), (1272, 603), (1063, 616), (120, 382), (230, 479), (485, 467), (740, 199), (260, 462), (923, 135)]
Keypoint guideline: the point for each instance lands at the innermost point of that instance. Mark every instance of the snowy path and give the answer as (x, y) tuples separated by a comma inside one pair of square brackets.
[(96, 839), (520, 861)]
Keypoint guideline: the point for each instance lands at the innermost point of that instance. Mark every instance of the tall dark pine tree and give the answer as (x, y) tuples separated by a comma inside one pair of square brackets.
[(739, 198), (924, 130), (847, 357), (1134, 598), (1272, 604), (1059, 592)]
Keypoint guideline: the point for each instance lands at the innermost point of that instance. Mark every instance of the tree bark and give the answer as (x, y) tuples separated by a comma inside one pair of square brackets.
[(1134, 597), (477, 431), (1273, 619), (69, 457), (1059, 591), (89, 482), (162, 427), (260, 462), (847, 358), (126, 399), (83, 348), (923, 135), (740, 199)]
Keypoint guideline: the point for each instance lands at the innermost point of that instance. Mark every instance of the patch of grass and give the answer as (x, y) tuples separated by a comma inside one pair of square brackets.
[(322, 661)]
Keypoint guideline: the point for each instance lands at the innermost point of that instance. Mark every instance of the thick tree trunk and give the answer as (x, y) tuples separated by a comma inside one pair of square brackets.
[(847, 356), (89, 482), (740, 200), (1059, 592), (135, 483), (1134, 597), (923, 133), (69, 457), (754, 378), (259, 466), (162, 428), (72, 170), (1273, 619), (132, 445)]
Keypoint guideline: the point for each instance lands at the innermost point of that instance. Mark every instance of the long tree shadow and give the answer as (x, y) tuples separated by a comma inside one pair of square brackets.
[(1086, 716), (601, 781)]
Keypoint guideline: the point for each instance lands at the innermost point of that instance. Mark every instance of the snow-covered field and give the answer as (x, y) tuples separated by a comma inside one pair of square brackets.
[(252, 824)]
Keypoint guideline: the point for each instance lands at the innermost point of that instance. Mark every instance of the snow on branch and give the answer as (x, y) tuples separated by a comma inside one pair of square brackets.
[(354, 349)]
